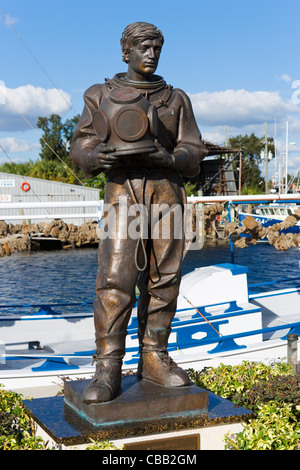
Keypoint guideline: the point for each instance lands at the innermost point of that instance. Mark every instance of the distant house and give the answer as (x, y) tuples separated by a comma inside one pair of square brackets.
[(20, 189)]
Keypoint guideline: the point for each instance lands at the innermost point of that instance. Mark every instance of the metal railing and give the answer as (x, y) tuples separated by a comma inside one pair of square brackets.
[(99, 204), (181, 327), (21, 206)]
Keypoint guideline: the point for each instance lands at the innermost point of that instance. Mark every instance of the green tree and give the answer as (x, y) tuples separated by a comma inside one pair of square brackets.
[(57, 135), (55, 163), (99, 182), (24, 168), (253, 148)]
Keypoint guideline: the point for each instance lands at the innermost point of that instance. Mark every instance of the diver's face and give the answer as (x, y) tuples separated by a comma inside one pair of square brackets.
[(143, 60)]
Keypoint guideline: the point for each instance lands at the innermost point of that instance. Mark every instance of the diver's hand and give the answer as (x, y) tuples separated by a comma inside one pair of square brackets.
[(162, 157), (102, 157)]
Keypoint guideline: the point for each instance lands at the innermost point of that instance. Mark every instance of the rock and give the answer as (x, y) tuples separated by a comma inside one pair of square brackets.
[(22, 243), (243, 242), (7, 249), (57, 229), (3, 229), (231, 227), (32, 228)]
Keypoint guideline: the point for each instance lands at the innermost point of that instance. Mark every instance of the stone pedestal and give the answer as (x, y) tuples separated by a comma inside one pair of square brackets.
[(139, 403), (142, 413)]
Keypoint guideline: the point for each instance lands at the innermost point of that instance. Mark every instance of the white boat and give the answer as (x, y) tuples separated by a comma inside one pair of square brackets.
[(218, 320), (270, 214)]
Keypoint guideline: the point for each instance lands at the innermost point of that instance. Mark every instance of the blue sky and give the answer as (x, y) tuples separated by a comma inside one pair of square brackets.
[(237, 59)]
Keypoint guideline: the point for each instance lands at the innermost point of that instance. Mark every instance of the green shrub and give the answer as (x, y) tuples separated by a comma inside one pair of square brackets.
[(229, 381), (102, 445), (270, 391), (275, 428), (279, 388), (16, 427)]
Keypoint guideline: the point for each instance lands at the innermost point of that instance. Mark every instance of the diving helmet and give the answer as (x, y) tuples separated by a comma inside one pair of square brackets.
[(126, 121)]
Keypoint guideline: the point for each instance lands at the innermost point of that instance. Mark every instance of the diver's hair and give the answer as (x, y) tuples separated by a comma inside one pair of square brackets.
[(136, 33)]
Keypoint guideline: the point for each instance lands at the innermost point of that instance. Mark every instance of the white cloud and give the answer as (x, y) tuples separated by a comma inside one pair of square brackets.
[(242, 112), (215, 135), (239, 108), (13, 145), (32, 102), (286, 78), (10, 20)]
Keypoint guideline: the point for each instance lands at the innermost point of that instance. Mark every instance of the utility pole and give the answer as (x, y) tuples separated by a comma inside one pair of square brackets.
[(240, 173), (266, 157), (286, 155)]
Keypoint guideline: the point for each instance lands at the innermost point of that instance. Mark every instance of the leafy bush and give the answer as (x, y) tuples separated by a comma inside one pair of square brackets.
[(102, 445), (232, 381), (278, 388), (275, 428), (16, 427), (270, 391)]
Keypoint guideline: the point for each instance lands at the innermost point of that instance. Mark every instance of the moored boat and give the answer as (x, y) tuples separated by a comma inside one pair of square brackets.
[(270, 214), (218, 320)]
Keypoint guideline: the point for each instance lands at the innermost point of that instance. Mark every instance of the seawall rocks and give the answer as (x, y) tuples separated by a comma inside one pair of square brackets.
[(21, 237)]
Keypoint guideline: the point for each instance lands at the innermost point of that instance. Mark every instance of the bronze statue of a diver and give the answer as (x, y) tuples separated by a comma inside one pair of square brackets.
[(144, 149)]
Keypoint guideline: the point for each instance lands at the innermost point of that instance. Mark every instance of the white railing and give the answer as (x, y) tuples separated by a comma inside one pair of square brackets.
[(244, 199), (99, 204), (51, 205), (46, 205)]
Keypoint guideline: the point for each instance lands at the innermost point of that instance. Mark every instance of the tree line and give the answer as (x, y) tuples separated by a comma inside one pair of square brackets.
[(56, 166)]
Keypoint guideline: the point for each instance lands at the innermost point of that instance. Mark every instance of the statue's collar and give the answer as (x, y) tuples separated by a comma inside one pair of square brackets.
[(120, 80)]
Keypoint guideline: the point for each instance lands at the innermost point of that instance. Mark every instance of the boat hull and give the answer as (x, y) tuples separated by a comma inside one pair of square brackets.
[(217, 321), (268, 221)]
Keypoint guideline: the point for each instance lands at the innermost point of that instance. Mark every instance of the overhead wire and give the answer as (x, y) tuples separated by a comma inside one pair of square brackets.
[(6, 18), (42, 138), (46, 143), (58, 90)]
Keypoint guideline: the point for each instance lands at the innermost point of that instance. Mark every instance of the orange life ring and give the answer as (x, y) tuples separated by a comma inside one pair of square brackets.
[(25, 186)]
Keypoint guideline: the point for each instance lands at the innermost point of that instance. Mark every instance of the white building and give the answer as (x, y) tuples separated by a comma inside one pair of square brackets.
[(34, 200)]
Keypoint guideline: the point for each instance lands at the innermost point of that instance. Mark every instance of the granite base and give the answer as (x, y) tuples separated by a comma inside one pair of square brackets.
[(66, 423)]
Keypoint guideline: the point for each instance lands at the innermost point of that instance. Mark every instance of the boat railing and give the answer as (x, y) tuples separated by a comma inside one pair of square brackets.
[(271, 283), (185, 331), (43, 309), (222, 344), (253, 199), (230, 308)]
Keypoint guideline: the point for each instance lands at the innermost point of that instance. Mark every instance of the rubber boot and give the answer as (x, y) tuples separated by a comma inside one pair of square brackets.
[(106, 383), (155, 364)]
